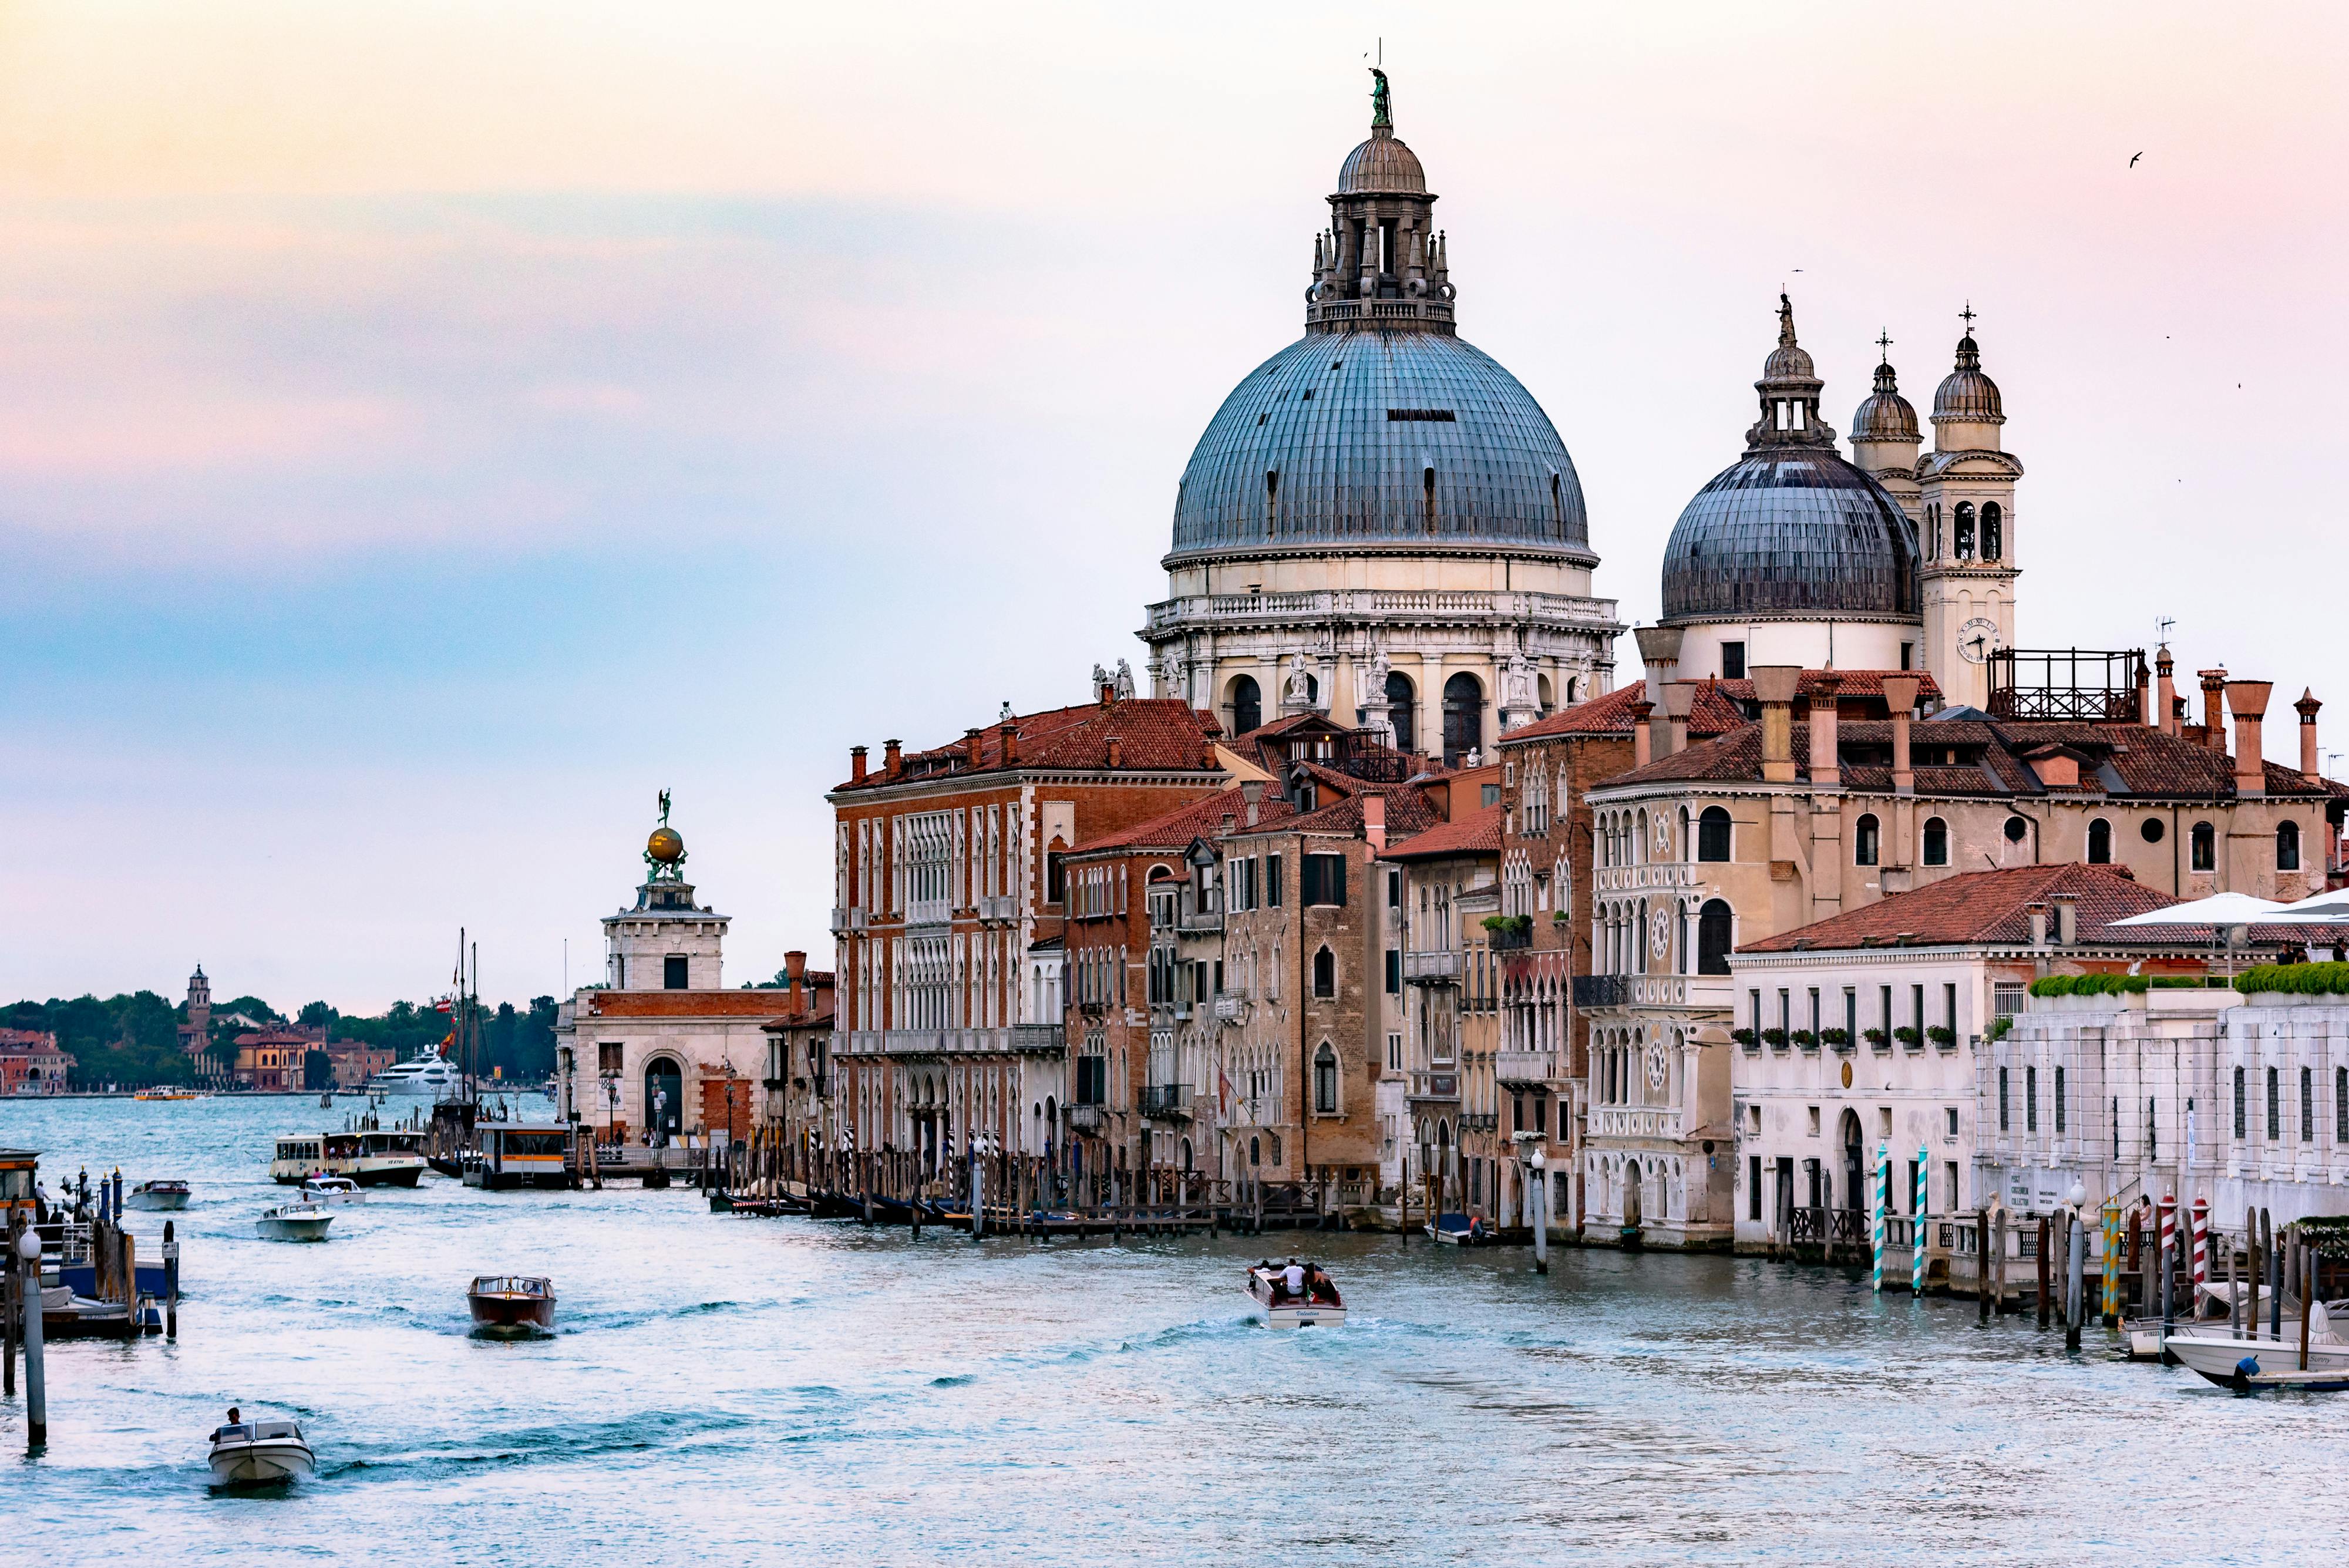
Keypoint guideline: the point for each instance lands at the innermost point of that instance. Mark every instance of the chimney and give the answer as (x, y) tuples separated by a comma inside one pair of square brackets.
[(1108, 693), (2038, 913), (2308, 705), (1660, 650), (2249, 702), (970, 745), (1252, 798), (1007, 737), (856, 764), (2165, 689), (1773, 687), (1225, 830), (1207, 757), (1374, 821), (1642, 739), (892, 760), (2143, 693), (2067, 917), (1680, 699), (795, 971), (1826, 771), (1116, 752), (2214, 728), (1900, 698)]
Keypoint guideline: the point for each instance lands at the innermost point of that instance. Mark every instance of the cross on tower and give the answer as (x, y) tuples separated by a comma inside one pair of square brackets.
[(1967, 315), (1883, 345)]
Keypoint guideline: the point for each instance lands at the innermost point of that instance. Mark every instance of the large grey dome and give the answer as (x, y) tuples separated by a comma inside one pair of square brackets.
[(1791, 531), (1363, 438)]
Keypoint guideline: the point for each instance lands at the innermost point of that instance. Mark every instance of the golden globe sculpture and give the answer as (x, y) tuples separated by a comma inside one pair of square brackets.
[(666, 847)]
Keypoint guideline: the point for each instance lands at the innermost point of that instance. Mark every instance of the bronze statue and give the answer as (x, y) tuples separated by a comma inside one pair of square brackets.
[(664, 808), (1379, 107)]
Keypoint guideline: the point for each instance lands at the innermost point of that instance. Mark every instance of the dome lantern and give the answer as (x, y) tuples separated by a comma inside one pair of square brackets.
[(1790, 394), (1382, 263), (1967, 408)]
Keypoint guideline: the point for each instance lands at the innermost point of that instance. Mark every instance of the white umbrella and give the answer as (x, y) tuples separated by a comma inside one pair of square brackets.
[(2325, 908), (2218, 909)]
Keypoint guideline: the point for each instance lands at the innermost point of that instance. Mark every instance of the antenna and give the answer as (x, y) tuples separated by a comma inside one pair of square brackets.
[(2161, 627)]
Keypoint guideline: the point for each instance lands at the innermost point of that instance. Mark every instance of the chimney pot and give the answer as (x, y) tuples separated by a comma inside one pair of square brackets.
[(2308, 705), (1116, 752), (2165, 691), (1774, 688), (1680, 700), (1008, 734), (2038, 913), (1642, 740), (1827, 771), (893, 759), (1659, 652), (856, 764), (1374, 821), (2067, 917), (1252, 798), (2247, 699), (2214, 727), (970, 745)]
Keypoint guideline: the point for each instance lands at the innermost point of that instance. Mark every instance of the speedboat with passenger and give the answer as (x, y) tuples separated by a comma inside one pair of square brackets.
[(294, 1222), (254, 1453), (332, 1189), (512, 1302), (156, 1195), (1316, 1306)]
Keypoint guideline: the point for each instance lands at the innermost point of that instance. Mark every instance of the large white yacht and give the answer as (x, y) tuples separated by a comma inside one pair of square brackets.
[(427, 1075)]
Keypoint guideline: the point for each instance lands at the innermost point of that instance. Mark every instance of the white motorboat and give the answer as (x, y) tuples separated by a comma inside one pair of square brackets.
[(332, 1189), (1318, 1307), (294, 1222), (427, 1075), (2215, 1353), (250, 1453), (156, 1195)]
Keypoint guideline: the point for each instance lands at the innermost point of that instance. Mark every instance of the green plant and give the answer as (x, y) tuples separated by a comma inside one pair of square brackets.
[(1909, 1037), (2296, 979), (1517, 925), (1805, 1039), (1745, 1037), (2001, 1027), (1838, 1038), (1775, 1036), (1875, 1037), (1941, 1034)]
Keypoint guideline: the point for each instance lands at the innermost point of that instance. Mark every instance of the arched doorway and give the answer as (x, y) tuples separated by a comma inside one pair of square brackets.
[(1464, 717), (1631, 1204), (1855, 1185), (1246, 704), (664, 1098), (1403, 710), (1712, 933)]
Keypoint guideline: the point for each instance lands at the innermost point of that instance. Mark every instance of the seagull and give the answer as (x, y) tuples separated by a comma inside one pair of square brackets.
[(2132, 160)]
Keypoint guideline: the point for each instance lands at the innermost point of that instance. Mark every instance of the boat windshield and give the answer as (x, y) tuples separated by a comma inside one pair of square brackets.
[(392, 1142)]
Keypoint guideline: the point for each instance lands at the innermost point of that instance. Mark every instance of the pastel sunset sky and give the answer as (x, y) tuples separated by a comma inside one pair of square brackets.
[(429, 430)]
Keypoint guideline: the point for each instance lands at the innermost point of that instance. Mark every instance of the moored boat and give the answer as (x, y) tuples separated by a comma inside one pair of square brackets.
[(427, 1075), (512, 1302), (254, 1453), (2218, 1355), (1461, 1230), (294, 1222), (158, 1195), (1318, 1305)]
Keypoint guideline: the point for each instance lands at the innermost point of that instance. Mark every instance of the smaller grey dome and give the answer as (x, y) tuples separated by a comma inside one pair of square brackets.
[(1966, 394), (1381, 166), (1789, 362), (1885, 415)]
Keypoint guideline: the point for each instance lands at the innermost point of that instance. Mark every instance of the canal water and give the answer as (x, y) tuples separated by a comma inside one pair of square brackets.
[(723, 1385)]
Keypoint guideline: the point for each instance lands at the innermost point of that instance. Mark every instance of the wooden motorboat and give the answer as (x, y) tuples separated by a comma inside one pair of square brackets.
[(1318, 1307), (158, 1195), (512, 1302), (294, 1222), (254, 1453), (332, 1189), (1461, 1230)]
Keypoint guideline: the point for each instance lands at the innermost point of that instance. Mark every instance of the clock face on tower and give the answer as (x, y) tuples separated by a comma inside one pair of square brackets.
[(1978, 639)]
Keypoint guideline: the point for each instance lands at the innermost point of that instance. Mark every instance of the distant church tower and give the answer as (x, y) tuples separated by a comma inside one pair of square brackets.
[(1966, 485)]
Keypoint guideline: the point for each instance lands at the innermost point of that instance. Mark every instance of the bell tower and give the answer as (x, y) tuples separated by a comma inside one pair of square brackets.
[(1967, 571)]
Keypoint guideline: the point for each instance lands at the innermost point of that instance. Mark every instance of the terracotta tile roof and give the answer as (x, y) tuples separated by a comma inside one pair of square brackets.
[(1610, 713), (1992, 908), (1153, 733), (1478, 832), (1408, 813), (1852, 683), (742, 1005), (1200, 819)]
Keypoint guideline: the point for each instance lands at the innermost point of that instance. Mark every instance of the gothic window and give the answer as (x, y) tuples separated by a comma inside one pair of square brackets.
[(1936, 842), (1246, 705), (2288, 847), (1402, 712), (2205, 851), (2100, 843), (1866, 840), (1993, 542), (1464, 717), (1713, 932), (1962, 530), (1325, 974), (1712, 834), (1325, 1081)]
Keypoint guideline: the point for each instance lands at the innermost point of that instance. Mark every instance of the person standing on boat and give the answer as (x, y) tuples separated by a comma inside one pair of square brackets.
[(1292, 1280)]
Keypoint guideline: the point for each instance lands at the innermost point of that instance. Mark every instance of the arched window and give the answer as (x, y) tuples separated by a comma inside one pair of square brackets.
[(2100, 843), (2205, 841), (1256, 1151), (1246, 705), (1680, 937), (1464, 717), (1712, 834), (1325, 1081), (1712, 931), (1639, 838), (1403, 710), (1688, 844), (2288, 847), (1962, 530), (1933, 531), (1993, 532), (1866, 845), (1936, 842), (1325, 974)]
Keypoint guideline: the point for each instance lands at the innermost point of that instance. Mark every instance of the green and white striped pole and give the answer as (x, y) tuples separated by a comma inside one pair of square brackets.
[(1883, 1201), (1917, 1227)]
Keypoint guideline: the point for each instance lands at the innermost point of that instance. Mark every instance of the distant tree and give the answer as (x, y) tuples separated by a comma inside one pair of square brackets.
[(252, 1007), (317, 1015), (317, 1070)]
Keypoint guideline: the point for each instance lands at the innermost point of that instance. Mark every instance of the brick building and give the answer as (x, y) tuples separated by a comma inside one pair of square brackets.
[(32, 1064)]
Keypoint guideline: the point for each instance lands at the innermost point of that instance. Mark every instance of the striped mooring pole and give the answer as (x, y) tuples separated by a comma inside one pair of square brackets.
[(1883, 1201), (2111, 1248), (1917, 1233), (2201, 1242), (2167, 1226)]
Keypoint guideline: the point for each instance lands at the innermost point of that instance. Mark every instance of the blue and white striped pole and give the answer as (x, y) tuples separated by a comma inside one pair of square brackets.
[(1883, 1198), (1916, 1206)]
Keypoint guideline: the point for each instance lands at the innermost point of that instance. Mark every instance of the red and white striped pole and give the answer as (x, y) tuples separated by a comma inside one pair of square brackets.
[(2168, 1229), (2201, 1241)]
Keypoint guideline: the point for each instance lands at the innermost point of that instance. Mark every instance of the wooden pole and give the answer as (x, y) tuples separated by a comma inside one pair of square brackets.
[(2307, 1299), (2275, 1275), (170, 1282), (2043, 1303), (36, 1382), (130, 1285), (1982, 1265)]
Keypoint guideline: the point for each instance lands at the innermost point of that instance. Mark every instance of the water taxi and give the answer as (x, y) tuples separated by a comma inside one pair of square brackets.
[(511, 1154), (158, 1195), (332, 1189), (512, 1302), (294, 1222), (1318, 1307), (255, 1453), (373, 1158), (170, 1095)]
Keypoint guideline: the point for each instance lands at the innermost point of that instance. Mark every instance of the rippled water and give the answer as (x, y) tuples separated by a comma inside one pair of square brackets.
[(722, 1383)]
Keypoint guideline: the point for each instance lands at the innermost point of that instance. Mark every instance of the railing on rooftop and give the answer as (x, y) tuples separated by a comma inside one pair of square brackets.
[(2078, 683)]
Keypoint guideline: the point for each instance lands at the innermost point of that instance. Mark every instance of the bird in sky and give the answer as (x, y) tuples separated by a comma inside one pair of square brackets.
[(2132, 160)]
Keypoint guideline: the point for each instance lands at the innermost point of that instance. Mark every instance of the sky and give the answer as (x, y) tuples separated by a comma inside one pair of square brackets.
[(428, 431)]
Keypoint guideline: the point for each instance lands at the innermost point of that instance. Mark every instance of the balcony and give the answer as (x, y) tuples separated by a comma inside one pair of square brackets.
[(1022, 1038), (849, 919), (1635, 1121), (1231, 1007), (1442, 1085), (1200, 922), (1511, 938), (1001, 907), (1168, 1102), (1087, 1119), (1602, 990), (1431, 968), (1034, 1039), (1530, 1069)]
